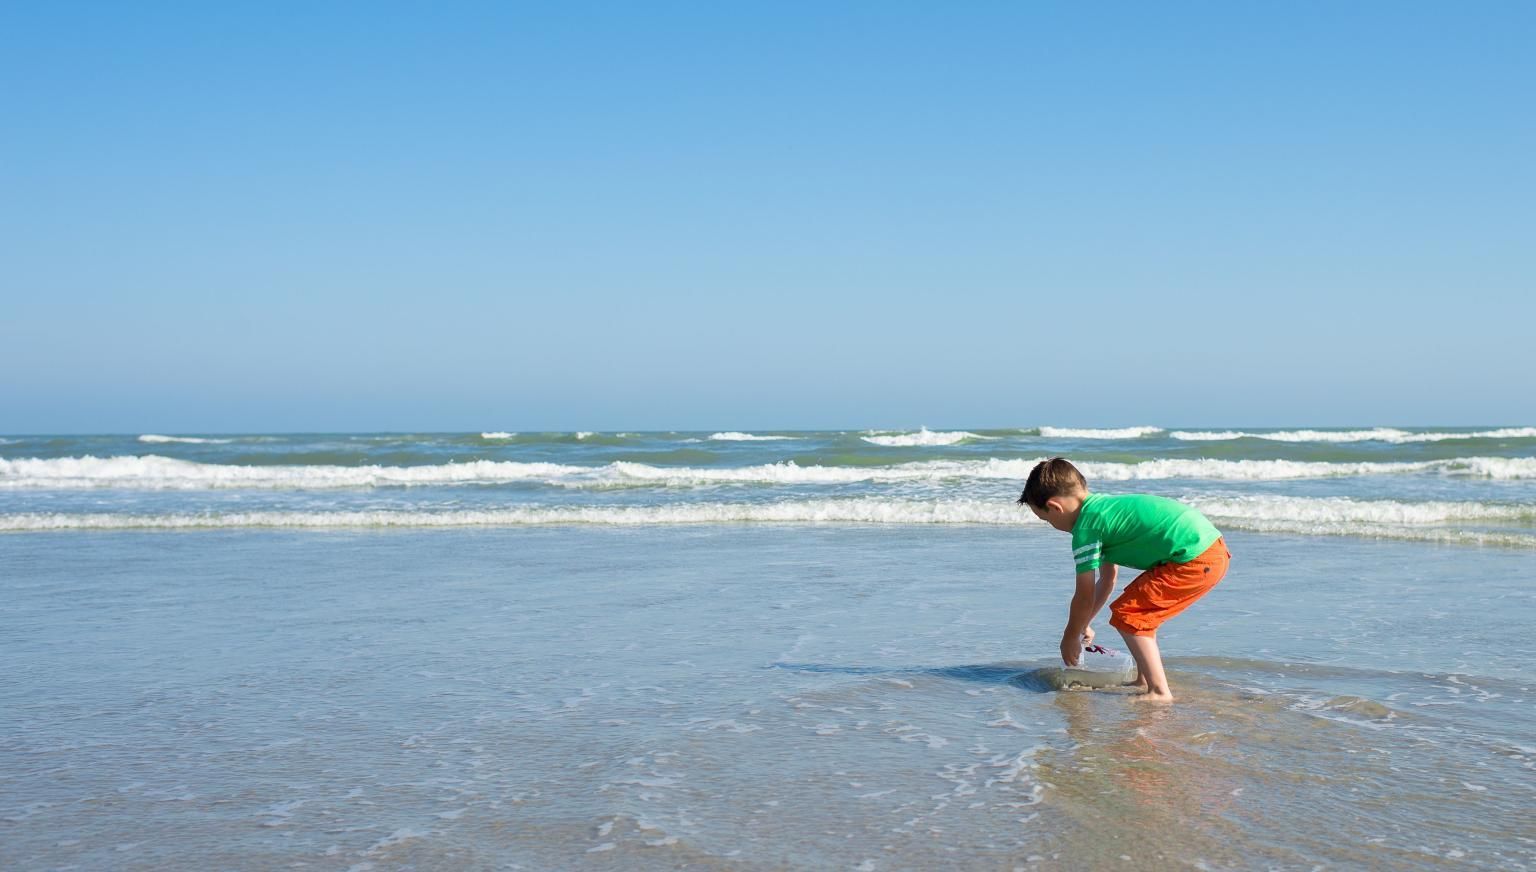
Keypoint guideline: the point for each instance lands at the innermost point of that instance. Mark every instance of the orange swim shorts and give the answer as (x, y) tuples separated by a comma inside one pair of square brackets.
[(1163, 591)]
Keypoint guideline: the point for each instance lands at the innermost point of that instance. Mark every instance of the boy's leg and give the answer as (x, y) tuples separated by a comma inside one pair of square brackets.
[(1155, 596), (1149, 666), (1140, 682)]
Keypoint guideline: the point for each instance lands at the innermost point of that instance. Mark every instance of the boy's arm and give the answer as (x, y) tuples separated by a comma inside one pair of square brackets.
[(1081, 614), (1105, 587), (1090, 596)]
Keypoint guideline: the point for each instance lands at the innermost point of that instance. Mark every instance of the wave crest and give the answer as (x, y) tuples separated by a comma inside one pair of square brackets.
[(153, 472), (155, 438), (1115, 433), (734, 436), (1377, 434), (1346, 510), (854, 511), (1299, 516), (923, 437)]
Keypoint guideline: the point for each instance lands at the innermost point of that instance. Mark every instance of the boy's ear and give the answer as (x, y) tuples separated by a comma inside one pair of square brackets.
[(1054, 504)]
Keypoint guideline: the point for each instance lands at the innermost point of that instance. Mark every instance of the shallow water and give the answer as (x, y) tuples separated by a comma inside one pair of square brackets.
[(742, 697)]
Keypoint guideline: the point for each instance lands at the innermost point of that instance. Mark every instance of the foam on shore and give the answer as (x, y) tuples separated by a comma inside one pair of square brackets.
[(1449, 523)]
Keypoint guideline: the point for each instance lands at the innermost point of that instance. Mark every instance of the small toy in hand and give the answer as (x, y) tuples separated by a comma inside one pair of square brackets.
[(1095, 649)]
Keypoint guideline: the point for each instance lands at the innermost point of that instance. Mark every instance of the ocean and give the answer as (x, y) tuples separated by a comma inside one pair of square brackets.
[(764, 650)]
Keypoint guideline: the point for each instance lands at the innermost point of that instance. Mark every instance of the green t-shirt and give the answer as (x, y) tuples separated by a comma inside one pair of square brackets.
[(1138, 530)]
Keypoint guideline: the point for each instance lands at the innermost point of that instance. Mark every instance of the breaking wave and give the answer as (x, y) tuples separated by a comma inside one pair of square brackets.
[(1119, 433), (1378, 434), (1423, 522), (923, 437), (855, 511), (153, 472), (746, 437), (1341, 510), (157, 438)]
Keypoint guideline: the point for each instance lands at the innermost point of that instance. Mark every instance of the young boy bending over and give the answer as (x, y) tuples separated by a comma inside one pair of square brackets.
[(1181, 553)]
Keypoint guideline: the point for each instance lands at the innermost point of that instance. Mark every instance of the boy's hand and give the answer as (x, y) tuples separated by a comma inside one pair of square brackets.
[(1087, 636), (1071, 650)]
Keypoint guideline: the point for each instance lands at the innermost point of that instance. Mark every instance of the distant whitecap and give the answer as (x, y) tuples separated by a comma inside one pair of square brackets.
[(923, 437), (1376, 434), (745, 437), (157, 438), (1118, 433)]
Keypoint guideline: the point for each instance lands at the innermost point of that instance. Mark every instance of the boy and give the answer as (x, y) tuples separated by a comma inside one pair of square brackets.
[(1183, 556)]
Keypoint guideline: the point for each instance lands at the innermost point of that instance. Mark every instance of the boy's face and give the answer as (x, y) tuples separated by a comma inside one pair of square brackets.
[(1059, 512)]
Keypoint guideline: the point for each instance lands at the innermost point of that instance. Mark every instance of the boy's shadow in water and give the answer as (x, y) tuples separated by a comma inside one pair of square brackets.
[(1032, 676)]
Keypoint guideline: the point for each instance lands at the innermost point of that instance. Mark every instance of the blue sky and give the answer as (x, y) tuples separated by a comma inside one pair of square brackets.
[(288, 217)]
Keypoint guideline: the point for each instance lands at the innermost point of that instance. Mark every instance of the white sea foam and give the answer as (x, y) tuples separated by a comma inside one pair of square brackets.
[(1120, 433), (499, 434), (1368, 530), (923, 437), (733, 436), (1377, 434), (1277, 470), (153, 472), (1427, 522), (1442, 522), (1207, 435), (866, 510), (584, 434), (1341, 510), (157, 438)]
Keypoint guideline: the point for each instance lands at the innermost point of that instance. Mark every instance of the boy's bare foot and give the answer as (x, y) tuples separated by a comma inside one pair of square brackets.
[(1149, 667)]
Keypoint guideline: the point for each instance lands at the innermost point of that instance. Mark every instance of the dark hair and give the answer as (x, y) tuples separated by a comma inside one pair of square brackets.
[(1049, 479)]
